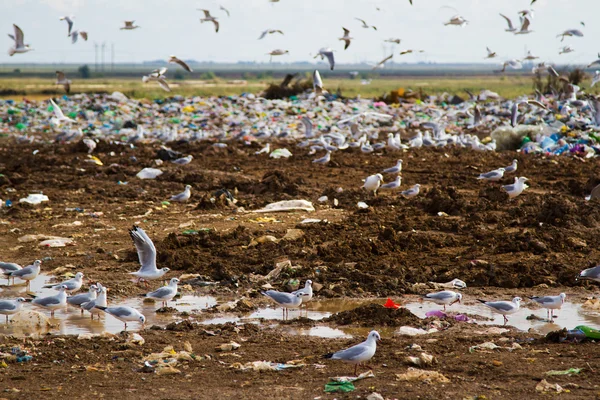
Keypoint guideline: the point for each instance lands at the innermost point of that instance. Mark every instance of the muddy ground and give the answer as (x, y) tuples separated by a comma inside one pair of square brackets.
[(457, 228)]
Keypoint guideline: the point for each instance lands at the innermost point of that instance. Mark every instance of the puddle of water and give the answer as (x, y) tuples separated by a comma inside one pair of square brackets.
[(72, 322)]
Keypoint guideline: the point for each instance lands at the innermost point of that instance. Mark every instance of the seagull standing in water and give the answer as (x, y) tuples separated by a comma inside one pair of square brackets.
[(81, 298), (550, 303), (20, 47), (100, 300), (71, 285), (6, 268), (358, 354), (27, 273), (444, 298), (52, 303), (11, 307), (165, 293), (124, 314), (285, 300), (147, 256), (503, 307)]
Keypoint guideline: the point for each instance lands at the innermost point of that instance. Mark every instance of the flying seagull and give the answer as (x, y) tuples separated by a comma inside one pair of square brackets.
[(514, 64), (129, 26), (318, 83), (566, 50), (346, 38), (382, 62), (515, 110), (69, 20), (596, 62), (511, 28), (393, 40), (410, 51), (209, 18), (175, 60), (365, 25), (457, 20), (61, 79), (327, 52), (60, 117), (491, 54), (595, 78), (158, 75), (570, 32), (530, 56), (20, 46), (226, 10), (525, 22), (277, 52), (147, 256), (269, 32)]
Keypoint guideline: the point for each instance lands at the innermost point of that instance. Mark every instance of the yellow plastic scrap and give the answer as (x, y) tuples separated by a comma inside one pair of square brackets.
[(95, 159)]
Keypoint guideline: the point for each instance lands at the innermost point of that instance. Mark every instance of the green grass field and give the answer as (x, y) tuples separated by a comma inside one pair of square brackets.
[(38, 88)]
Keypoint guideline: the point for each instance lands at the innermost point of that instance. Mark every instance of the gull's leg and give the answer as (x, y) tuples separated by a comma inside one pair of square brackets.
[(355, 369), (444, 308), (505, 319)]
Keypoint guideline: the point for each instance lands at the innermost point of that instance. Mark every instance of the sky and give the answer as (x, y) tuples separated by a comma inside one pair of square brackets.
[(173, 27)]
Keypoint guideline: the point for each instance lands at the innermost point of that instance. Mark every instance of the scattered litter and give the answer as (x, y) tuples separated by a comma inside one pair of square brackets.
[(414, 374), (67, 224), (149, 173), (544, 386), (364, 375), (362, 205), (390, 304), (56, 242), (569, 371), (229, 346), (411, 331), (279, 153), (310, 221), (293, 234), (323, 199), (30, 320), (375, 396), (590, 333), (493, 346), (263, 239), (341, 387), (422, 360), (287, 205), (266, 366), (34, 199)]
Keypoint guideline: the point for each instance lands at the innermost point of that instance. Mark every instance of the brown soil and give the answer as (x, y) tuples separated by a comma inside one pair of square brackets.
[(457, 228), (375, 315)]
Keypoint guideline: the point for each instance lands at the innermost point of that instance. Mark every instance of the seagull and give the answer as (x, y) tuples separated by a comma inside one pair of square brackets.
[(492, 176), (516, 188), (27, 273), (100, 300), (530, 56), (412, 192), (6, 268), (327, 52), (318, 83), (183, 160), (570, 32), (457, 20), (61, 79), (323, 160), (52, 303), (81, 298), (515, 109), (20, 46), (277, 52), (158, 75), (269, 32), (69, 20), (209, 18), (393, 40), (346, 38), (173, 59), (124, 314), (60, 117), (183, 196), (491, 54), (129, 26), (511, 28), (358, 354), (75, 36), (595, 78), (147, 256), (526, 14), (285, 300), (566, 50), (165, 293), (372, 183), (514, 64), (504, 307), (410, 51), (306, 291), (71, 286), (11, 307), (550, 303), (395, 184), (511, 168), (396, 169), (226, 10), (444, 298), (382, 62), (596, 62), (525, 22), (592, 274), (364, 24)]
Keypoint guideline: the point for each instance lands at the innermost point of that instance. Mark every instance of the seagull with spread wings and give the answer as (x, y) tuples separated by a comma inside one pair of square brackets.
[(147, 256), (365, 25), (69, 20), (20, 46), (129, 26), (382, 62), (61, 79), (209, 18), (327, 52), (346, 38), (158, 75), (269, 32), (175, 60), (511, 28)]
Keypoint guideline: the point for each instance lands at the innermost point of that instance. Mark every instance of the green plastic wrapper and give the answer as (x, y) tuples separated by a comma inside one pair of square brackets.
[(342, 387)]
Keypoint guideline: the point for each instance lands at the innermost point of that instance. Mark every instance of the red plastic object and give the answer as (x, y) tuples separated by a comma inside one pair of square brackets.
[(390, 304)]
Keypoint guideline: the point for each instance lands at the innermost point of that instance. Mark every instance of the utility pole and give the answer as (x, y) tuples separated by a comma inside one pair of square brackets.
[(95, 57), (112, 57), (103, 48)]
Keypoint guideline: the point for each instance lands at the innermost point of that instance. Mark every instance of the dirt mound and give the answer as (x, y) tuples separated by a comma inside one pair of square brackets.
[(443, 199), (375, 315)]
